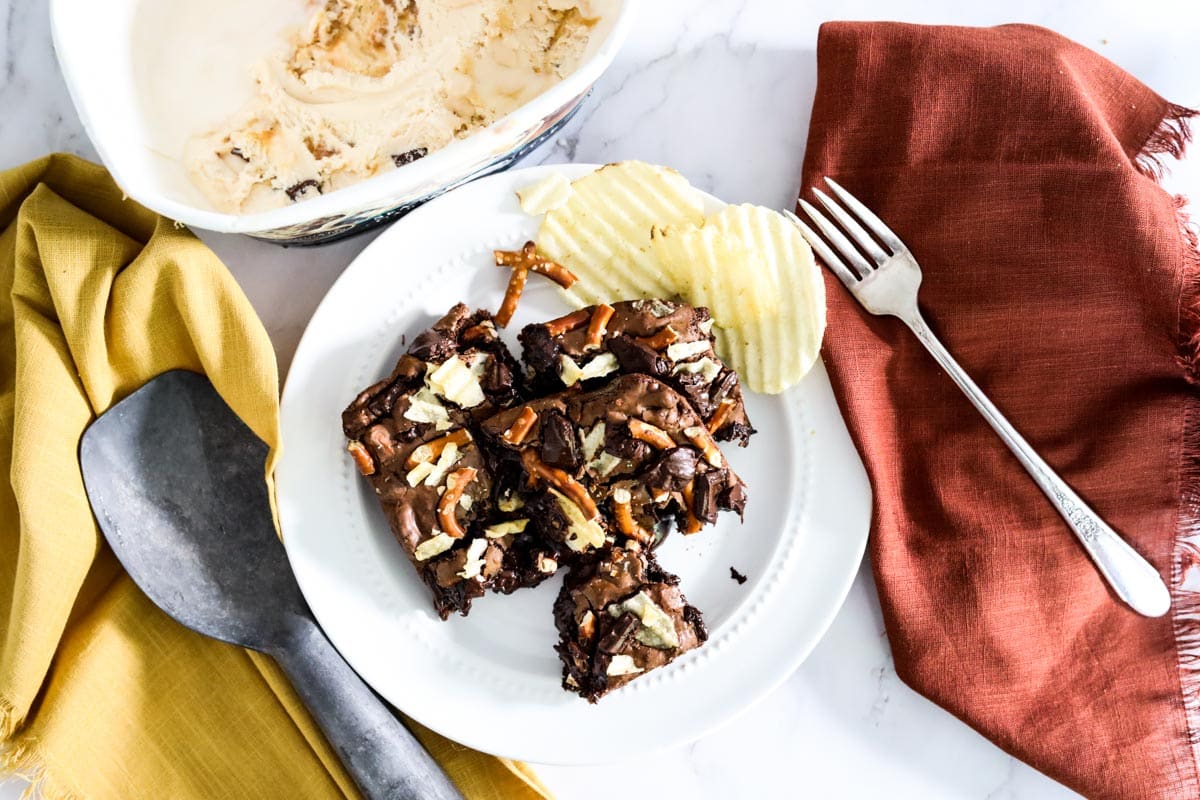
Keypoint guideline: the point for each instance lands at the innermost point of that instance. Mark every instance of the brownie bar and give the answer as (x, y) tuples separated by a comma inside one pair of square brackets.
[(414, 436), (612, 464), (669, 341), (619, 616)]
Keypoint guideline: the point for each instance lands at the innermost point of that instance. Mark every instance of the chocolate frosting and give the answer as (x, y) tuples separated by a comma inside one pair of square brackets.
[(633, 322), (376, 420), (614, 576), (650, 456)]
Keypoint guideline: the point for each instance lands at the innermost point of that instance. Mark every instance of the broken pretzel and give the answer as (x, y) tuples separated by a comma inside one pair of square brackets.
[(448, 505), (523, 262), (429, 451)]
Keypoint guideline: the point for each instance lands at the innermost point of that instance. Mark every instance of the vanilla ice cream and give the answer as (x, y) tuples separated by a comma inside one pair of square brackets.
[(363, 86)]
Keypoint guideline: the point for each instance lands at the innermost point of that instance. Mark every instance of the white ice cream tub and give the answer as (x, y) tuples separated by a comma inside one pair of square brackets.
[(94, 44)]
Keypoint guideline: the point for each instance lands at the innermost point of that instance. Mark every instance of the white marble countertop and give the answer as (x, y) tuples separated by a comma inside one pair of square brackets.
[(722, 91)]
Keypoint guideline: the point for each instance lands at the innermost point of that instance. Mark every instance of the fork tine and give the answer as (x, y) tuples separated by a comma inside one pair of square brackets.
[(840, 243), (865, 214), (828, 256), (851, 226)]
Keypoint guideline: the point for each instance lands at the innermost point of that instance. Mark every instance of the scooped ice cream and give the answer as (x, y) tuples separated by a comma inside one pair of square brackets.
[(370, 85)]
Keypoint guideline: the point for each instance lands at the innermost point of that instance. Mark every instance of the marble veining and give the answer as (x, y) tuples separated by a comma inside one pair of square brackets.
[(721, 90)]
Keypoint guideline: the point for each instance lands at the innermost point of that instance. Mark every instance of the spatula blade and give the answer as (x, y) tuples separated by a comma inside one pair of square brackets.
[(176, 481)]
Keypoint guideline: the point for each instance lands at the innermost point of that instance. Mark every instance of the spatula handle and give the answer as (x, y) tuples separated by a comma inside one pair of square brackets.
[(385, 760)]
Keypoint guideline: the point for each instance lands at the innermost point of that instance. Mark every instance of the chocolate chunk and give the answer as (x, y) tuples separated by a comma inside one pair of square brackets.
[(734, 499), (736, 432), (559, 443), (522, 555), (499, 378), (723, 386), (620, 442), (633, 356), (673, 470), (296, 190), (540, 350), (696, 390), (588, 595), (737, 576), (707, 488), (617, 638), (433, 345), (409, 156), (693, 617)]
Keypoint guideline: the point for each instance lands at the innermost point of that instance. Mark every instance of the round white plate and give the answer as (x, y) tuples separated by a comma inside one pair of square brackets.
[(492, 680)]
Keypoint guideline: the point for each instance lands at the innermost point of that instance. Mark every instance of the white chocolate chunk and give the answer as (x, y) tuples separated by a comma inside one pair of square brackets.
[(436, 545), (505, 528), (474, 563), (681, 351), (571, 373), (444, 463), (603, 464), (424, 406), (510, 502), (458, 381), (705, 367), (659, 308), (568, 370), (657, 630), (601, 365), (583, 532), (419, 473), (622, 665), (593, 440)]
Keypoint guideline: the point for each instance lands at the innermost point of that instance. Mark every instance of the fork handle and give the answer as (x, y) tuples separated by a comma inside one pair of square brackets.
[(1131, 577)]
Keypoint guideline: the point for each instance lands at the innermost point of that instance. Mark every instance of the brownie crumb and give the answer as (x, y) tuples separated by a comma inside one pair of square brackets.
[(295, 192), (409, 156), (737, 576)]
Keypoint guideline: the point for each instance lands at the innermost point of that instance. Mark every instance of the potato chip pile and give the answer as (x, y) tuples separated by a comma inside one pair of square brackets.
[(634, 230)]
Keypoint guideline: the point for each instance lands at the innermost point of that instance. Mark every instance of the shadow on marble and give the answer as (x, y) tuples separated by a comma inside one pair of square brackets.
[(700, 112)]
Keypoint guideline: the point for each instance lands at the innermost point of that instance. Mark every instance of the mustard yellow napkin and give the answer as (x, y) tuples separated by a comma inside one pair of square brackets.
[(102, 696)]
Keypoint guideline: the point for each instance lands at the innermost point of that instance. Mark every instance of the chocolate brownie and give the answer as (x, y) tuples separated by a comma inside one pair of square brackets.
[(613, 464), (619, 616), (669, 341), (414, 436)]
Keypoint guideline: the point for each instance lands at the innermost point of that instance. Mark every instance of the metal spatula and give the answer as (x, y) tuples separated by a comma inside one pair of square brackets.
[(175, 480)]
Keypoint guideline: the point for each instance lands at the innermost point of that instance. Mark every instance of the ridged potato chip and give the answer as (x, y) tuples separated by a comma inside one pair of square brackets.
[(633, 230), (708, 271), (602, 232), (546, 195), (770, 304)]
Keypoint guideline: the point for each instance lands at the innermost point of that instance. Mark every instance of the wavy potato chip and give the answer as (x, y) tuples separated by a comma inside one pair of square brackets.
[(707, 269), (633, 230), (776, 344), (546, 195), (602, 232)]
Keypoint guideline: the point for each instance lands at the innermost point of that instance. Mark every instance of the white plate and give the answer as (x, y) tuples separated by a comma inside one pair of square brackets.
[(491, 680)]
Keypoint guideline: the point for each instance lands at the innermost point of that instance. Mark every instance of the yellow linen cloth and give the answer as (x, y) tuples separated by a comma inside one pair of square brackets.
[(102, 696)]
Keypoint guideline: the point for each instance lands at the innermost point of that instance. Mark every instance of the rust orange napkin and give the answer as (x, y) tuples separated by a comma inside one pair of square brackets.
[(1020, 169)]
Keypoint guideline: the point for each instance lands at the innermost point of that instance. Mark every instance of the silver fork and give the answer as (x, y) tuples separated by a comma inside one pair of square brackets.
[(885, 280)]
